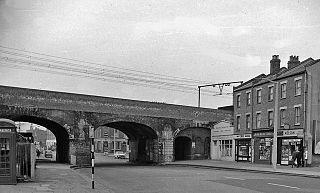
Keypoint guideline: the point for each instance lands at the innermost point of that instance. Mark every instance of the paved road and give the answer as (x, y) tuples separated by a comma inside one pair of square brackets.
[(160, 179)]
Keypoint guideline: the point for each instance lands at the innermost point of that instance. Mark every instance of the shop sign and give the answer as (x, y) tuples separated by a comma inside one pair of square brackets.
[(5, 130), (242, 136), (263, 134), (222, 128), (228, 137), (288, 133)]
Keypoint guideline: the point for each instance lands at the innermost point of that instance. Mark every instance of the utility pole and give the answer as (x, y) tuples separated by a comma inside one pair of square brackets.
[(114, 141), (217, 84)]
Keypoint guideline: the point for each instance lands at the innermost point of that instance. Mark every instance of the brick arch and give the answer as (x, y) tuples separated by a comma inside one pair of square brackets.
[(61, 134), (132, 129)]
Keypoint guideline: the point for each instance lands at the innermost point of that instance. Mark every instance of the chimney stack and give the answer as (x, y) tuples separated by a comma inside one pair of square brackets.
[(293, 62), (275, 64)]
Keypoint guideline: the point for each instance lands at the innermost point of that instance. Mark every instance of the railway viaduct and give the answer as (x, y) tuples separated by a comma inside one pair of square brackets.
[(157, 132)]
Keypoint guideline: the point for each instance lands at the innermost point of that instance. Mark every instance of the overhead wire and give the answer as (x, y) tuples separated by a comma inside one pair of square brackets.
[(100, 73), (13, 66), (87, 73), (105, 66)]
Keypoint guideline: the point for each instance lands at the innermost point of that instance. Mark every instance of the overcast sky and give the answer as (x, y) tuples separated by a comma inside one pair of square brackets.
[(211, 41)]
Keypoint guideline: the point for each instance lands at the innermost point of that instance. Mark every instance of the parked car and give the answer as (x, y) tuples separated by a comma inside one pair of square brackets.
[(48, 154), (119, 155)]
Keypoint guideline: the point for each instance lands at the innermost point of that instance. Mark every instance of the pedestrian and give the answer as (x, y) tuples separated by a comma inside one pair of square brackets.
[(299, 158), (294, 158), (38, 153), (305, 156)]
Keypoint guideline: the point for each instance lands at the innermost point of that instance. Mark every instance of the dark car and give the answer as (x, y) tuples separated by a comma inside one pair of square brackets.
[(48, 154)]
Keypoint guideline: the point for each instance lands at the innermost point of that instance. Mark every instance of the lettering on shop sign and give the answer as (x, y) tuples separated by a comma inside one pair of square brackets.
[(262, 134), (242, 136), (5, 130), (296, 132)]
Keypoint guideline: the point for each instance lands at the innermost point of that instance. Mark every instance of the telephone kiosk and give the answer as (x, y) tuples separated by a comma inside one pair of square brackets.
[(8, 134)]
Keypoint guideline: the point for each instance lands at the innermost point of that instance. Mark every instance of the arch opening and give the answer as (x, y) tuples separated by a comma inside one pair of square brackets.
[(60, 133), (182, 148), (141, 140)]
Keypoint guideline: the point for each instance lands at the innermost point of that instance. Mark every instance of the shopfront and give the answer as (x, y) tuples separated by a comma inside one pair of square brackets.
[(262, 147), (289, 140), (243, 147), (222, 142)]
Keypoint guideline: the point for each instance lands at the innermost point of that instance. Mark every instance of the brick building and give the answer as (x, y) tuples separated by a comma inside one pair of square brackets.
[(106, 138), (298, 113)]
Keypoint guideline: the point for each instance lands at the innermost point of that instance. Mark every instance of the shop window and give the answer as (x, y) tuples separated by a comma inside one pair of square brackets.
[(243, 150), (226, 148), (265, 148)]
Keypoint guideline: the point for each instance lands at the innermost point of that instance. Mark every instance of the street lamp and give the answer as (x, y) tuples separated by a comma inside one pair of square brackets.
[(275, 127)]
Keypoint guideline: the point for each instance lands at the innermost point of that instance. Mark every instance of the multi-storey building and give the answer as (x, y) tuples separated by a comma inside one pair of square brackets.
[(298, 113), (108, 140)]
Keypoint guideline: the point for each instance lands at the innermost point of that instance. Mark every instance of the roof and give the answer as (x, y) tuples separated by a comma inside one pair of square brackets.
[(283, 73)]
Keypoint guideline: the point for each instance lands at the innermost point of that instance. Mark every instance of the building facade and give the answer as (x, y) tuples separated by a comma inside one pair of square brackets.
[(222, 141), (109, 140), (298, 112)]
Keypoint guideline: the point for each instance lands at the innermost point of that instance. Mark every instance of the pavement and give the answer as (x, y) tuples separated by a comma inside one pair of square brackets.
[(61, 178), (54, 177), (312, 172)]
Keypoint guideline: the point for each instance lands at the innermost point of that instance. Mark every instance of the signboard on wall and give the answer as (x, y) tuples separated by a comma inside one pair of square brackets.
[(291, 133), (242, 136), (222, 128)]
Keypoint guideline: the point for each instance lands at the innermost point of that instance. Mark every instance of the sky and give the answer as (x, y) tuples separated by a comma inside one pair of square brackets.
[(207, 42)]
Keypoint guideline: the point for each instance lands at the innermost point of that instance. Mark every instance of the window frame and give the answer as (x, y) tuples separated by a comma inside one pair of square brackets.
[(248, 95), (259, 97), (258, 119), (248, 121), (298, 87), (283, 90), (270, 118), (297, 121), (238, 100), (238, 117), (283, 115), (270, 92)]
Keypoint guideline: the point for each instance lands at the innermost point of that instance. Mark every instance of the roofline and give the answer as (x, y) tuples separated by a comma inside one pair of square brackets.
[(277, 78)]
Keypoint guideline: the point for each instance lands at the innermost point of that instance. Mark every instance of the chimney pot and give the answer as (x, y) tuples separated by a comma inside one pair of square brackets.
[(293, 62), (275, 64)]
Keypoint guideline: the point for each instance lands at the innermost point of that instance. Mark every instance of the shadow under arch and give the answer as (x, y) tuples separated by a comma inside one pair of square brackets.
[(141, 139), (192, 143), (62, 136), (182, 148)]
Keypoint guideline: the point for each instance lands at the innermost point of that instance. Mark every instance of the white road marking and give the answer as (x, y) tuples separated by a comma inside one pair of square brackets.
[(234, 178), (284, 186)]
